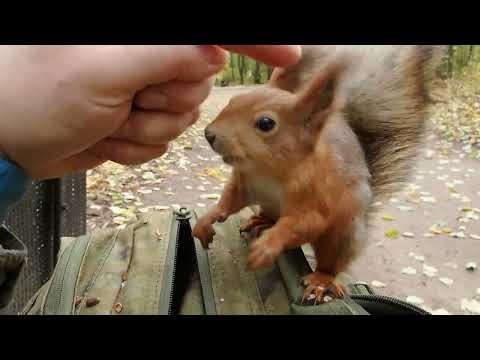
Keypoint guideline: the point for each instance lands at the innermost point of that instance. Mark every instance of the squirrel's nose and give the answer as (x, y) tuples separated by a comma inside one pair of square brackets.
[(210, 136)]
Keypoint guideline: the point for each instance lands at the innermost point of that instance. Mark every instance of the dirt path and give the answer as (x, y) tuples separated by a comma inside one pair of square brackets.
[(446, 183)]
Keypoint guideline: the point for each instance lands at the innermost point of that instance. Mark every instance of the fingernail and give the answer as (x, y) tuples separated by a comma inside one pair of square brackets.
[(214, 54)]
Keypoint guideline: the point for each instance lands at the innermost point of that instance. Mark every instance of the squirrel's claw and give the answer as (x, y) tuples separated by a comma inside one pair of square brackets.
[(321, 287)]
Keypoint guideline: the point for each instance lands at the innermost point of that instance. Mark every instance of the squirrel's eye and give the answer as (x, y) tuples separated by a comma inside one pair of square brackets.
[(265, 124)]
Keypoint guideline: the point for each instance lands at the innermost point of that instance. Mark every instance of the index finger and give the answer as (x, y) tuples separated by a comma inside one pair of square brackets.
[(274, 55)]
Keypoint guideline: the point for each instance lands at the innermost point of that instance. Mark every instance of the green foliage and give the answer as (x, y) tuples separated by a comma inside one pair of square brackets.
[(460, 61), (242, 70)]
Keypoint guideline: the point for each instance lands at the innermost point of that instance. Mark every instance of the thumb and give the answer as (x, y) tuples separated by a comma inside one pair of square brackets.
[(274, 55)]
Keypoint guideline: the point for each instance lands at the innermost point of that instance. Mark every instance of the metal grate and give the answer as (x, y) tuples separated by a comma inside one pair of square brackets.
[(51, 209)]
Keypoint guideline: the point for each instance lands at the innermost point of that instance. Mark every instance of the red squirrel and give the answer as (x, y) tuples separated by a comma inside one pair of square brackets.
[(315, 147)]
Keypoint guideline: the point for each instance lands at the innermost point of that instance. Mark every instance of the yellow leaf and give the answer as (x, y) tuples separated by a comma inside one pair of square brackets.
[(388, 217)]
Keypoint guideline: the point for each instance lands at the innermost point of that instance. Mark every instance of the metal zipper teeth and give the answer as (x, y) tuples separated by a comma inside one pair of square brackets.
[(57, 286), (174, 269), (390, 301)]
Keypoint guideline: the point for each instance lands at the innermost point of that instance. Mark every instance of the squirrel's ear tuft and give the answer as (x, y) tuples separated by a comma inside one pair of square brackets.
[(321, 93)]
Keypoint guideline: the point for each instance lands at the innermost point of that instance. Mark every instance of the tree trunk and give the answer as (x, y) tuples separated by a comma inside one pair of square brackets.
[(232, 66), (257, 76), (470, 54), (450, 61), (241, 68)]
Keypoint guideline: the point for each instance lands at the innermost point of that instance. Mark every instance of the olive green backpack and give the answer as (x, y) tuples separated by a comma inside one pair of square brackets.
[(155, 266)]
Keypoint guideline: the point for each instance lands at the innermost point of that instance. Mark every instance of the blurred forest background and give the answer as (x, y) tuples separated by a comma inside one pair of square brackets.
[(460, 61)]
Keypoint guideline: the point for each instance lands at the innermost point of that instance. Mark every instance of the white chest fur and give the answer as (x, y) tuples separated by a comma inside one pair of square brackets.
[(267, 193)]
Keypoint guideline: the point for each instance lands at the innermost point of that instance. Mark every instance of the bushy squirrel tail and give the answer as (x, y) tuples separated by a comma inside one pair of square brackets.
[(385, 88)]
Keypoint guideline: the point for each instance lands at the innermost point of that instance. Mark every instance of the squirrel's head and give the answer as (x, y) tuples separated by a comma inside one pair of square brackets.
[(271, 129)]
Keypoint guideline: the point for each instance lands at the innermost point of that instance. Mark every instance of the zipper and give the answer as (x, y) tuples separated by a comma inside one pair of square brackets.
[(179, 264), (60, 295), (386, 300), (203, 267), (167, 289)]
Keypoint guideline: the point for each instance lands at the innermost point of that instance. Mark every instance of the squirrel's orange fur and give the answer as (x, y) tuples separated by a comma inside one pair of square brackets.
[(317, 171)]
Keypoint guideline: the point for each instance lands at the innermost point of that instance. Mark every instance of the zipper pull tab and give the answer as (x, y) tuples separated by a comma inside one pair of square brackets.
[(183, 214)]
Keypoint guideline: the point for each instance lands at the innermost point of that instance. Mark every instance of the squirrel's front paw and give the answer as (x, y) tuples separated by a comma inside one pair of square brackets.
[(263, 252), (322, 288), (204, 232)]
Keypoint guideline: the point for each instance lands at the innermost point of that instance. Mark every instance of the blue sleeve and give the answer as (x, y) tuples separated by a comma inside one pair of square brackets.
[(13, 185)]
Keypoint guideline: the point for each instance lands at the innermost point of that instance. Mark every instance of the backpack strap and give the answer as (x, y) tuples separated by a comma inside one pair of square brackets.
[(13, 255)]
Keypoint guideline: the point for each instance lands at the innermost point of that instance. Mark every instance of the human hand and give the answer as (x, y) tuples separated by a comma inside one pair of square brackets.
[(70, 108)]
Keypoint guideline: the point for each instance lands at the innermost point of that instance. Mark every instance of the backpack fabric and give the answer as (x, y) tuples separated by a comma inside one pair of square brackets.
[(155, 267)]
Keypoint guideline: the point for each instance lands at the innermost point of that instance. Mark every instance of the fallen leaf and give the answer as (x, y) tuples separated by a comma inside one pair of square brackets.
[(471, 266), (435, 228), (210, 196), (388, 217), (161, 208), (145, 192), (148, 176), (415, 300), (378, 284), (446, 281), (429, 271), (471, 306), (409, 271), (392, 233), (215, 173), (420, 258), (447, 230), (458, 235)]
